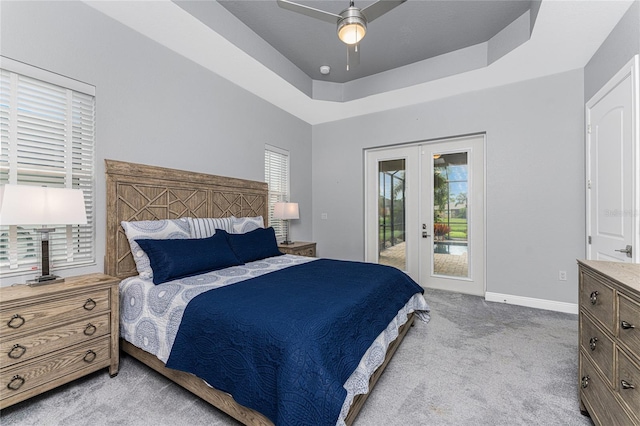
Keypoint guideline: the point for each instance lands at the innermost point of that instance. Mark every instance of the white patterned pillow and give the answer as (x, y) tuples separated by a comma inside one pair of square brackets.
[(206, 227), (243, 225), (153, 230)]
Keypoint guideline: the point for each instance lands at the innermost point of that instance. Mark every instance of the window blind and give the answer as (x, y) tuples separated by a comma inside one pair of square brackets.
[(47, 137), (276, 174)]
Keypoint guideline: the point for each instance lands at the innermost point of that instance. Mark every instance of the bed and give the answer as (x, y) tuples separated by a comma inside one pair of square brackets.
[(138, 192)]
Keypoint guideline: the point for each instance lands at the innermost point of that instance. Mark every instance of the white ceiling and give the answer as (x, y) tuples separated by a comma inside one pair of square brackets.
[(565, 36)]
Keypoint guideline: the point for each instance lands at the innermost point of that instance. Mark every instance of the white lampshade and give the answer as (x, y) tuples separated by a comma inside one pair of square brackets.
[(286, 211), (41, 205)]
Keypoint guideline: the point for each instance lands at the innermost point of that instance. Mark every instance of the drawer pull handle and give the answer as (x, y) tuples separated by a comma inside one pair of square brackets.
[(585, 381), (89, 304), (626, 385), (15, 383), (17, 351), (16, 321), (626, 325), (592, 343), (90, 356), (90, 329), (594, 297)]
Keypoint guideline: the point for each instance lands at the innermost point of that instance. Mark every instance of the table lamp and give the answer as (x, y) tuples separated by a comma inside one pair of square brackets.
[(45, 206), (286, 211)]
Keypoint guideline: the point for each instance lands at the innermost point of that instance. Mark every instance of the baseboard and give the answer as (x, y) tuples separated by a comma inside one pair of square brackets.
[(530, 302)]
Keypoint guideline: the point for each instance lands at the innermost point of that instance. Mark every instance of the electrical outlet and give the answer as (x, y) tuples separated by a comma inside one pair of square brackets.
[(562, 275)]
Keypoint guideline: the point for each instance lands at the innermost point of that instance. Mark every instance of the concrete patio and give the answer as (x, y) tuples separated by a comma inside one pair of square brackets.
[(445, 264)]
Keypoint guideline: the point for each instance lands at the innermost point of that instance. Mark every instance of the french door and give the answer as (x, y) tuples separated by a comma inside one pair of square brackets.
[(392, 208), (425, 212), (452, 209)]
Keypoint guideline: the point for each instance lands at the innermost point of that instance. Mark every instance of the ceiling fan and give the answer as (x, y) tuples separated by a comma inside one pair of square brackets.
[(351, 22)]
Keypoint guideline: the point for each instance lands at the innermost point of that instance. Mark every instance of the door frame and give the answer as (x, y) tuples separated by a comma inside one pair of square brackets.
[(413, 228), (632, 69)]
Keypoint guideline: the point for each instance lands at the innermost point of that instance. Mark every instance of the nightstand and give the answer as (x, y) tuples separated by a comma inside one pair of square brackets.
[(299, 248), (55, 333)]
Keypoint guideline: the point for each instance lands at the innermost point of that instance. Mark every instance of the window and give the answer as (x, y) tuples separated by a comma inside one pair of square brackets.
[(47, 135), (276, 174)]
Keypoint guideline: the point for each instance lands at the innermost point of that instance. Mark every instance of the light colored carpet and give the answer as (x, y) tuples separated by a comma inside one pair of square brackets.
[(475, 363)]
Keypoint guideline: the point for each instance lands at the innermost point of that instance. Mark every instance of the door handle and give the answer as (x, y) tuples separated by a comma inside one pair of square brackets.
[(425, 234), (628, 250)]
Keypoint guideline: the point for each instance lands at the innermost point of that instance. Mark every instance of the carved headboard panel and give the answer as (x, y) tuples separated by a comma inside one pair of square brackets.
[(140, 192)]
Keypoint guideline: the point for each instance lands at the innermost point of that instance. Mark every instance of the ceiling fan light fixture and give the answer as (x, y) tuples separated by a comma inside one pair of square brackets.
[(352, 27), (352, 22)]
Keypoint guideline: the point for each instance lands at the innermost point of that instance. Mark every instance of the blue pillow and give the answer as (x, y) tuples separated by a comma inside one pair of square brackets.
[(254, 245), (177, 258)]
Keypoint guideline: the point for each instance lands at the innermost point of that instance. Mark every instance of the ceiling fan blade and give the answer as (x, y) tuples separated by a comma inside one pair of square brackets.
[(379, 8), (332, 18), (353, 55)]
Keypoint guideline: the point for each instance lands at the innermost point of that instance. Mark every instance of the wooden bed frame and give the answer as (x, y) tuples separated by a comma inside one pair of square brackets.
[(141, 192)]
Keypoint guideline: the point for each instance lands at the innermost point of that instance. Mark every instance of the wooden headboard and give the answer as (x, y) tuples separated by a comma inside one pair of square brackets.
[(140, 192)]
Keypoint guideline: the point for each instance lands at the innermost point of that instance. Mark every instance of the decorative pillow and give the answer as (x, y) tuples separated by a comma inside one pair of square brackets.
[(154, 230), (254, 245), (173, 259), (206, 227), (245, 224)]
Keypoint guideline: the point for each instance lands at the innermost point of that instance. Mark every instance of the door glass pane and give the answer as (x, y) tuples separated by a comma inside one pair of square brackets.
[(391, 216), (450, 228)]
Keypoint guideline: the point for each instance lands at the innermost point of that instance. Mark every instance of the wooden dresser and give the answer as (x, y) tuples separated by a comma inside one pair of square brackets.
[(299, 248), (55, 333), (609, 330)]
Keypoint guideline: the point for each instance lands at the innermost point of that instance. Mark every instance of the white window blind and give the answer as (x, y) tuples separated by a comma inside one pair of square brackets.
[(47, 135), (276, 174)]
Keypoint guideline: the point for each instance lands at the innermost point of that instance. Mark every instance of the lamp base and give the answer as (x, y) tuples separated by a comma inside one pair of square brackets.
[(45, 279), (288, 243)]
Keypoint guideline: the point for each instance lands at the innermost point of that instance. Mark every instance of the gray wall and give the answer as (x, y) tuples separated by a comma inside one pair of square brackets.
[(618, 49), (154, 106), (534, 178)]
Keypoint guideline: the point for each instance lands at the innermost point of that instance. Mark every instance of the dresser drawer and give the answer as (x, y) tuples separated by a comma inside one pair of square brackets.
[(598, 299), (598, 346), (599, 399), (24, 347), (629, 382), (629, 316), (26, 376), (30, 317)]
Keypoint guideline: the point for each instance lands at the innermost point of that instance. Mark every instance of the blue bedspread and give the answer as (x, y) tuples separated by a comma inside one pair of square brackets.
[(284, 343)]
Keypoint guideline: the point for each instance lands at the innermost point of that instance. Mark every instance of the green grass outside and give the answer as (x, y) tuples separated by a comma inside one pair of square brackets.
[(458, 227), (458, 230)]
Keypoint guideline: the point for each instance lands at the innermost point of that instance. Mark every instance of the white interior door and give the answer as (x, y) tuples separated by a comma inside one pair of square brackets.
[(452, 212), (612, 169)]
